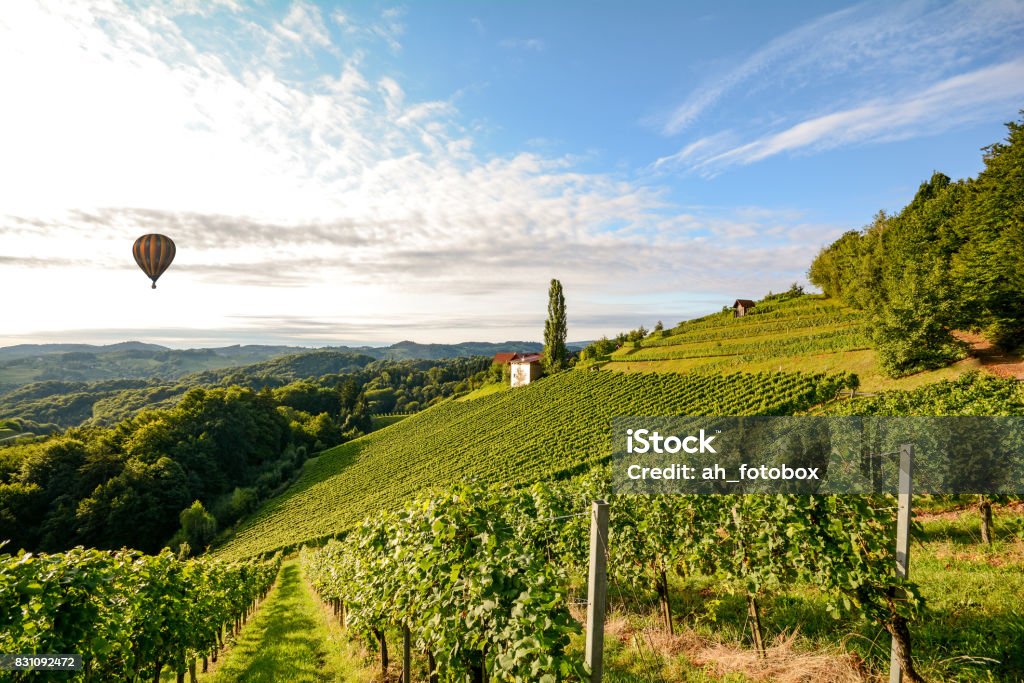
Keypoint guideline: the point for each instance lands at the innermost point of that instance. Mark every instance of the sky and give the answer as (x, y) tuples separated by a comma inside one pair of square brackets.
[(368, 172)]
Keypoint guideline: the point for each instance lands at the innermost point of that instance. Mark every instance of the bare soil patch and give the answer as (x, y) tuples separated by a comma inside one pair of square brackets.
[(993, 359)]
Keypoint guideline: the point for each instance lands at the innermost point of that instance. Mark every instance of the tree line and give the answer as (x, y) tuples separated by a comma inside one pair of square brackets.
[(952, 259), (181, 474)]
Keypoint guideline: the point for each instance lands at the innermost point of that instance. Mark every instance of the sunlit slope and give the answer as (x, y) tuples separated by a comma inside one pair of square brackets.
[(809, 333), (554, 426), (806, 324)]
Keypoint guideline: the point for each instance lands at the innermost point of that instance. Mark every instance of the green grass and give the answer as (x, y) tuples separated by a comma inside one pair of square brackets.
[(485, 390), (972, 631), (803, 342), (381, 421), (793, 328), (289, 639)]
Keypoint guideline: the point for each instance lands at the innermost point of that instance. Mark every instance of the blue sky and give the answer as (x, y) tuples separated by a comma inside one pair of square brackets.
[(369, 172)]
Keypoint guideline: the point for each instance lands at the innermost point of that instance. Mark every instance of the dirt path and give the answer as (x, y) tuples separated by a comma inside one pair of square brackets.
[(994, 360)]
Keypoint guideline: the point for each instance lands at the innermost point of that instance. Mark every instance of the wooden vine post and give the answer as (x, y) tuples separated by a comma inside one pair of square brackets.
[(406, 655), (597, 586), (902, 542)]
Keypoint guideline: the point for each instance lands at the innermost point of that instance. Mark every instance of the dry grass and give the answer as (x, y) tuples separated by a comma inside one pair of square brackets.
[(783, 663), (1011, 508)]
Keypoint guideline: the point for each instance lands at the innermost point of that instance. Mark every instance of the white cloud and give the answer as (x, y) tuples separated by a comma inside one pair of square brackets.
[(303, 24), (334, 197), (966, 98), (862, 50), (390, 27)]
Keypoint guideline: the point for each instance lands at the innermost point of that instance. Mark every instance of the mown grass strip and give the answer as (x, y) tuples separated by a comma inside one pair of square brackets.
[(287, 640)]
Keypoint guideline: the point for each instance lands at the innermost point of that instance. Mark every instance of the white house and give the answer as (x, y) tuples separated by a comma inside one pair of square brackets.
[(525, 368)]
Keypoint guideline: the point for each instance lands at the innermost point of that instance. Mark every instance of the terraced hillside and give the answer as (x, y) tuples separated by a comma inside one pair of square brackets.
[(803, 333), (553, 427)]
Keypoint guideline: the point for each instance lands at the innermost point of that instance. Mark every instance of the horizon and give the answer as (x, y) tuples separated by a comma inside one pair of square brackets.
[(349, 345), (364, 171)]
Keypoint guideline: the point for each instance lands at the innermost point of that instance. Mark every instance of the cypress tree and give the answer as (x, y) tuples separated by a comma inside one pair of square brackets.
[(555, 330)]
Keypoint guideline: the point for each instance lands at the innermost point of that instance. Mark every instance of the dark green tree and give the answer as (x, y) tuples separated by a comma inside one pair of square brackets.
[(198, 526), (555, 353)]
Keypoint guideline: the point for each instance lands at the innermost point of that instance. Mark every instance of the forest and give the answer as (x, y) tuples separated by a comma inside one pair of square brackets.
[(949, 260), (181, 472), (60, 404)]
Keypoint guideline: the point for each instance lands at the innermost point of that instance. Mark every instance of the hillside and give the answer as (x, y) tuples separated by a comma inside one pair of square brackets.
[(223, 448), (69, 404), (15, 430), (809, 333), (792, 353), (28, 363), (553, 427)]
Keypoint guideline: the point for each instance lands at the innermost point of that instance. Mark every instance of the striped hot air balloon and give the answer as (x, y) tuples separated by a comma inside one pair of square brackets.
[(153, 253)]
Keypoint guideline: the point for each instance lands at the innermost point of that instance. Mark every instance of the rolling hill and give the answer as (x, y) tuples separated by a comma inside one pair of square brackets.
[(792, 354), (554, 427), (784, 333), (28, 363)]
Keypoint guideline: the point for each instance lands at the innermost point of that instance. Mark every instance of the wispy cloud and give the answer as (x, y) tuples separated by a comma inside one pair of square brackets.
[(305, 24), (966, 98), (871, 47), (871, 73), (528, 44)]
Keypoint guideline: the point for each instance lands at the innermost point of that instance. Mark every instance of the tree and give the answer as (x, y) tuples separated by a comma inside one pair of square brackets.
[(555, 353), (198, 525)]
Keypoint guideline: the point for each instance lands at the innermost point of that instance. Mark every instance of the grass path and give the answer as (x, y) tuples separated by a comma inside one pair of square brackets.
[(289, 639)]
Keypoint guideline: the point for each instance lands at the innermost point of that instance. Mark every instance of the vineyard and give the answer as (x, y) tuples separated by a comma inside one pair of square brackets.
[(468, 573), (807, 333), (845, 338), (552, 428), (971, 394), (481, 580), (803, 315), (462, 531), (128, 615)]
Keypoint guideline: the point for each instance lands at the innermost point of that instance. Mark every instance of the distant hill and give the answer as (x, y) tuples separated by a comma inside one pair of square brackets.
[(27, 363), (106, 401), (14, 430), (409, 350), (70, 402), (32, 350)]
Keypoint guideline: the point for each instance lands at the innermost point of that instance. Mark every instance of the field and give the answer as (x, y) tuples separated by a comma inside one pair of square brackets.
[(805, 334)]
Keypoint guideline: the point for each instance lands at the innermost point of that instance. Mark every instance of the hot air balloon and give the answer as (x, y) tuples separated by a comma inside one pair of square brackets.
[(153, 253)]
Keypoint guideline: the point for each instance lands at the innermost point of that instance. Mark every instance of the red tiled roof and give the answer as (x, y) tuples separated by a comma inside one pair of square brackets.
[(504, 357), (528, 358)]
